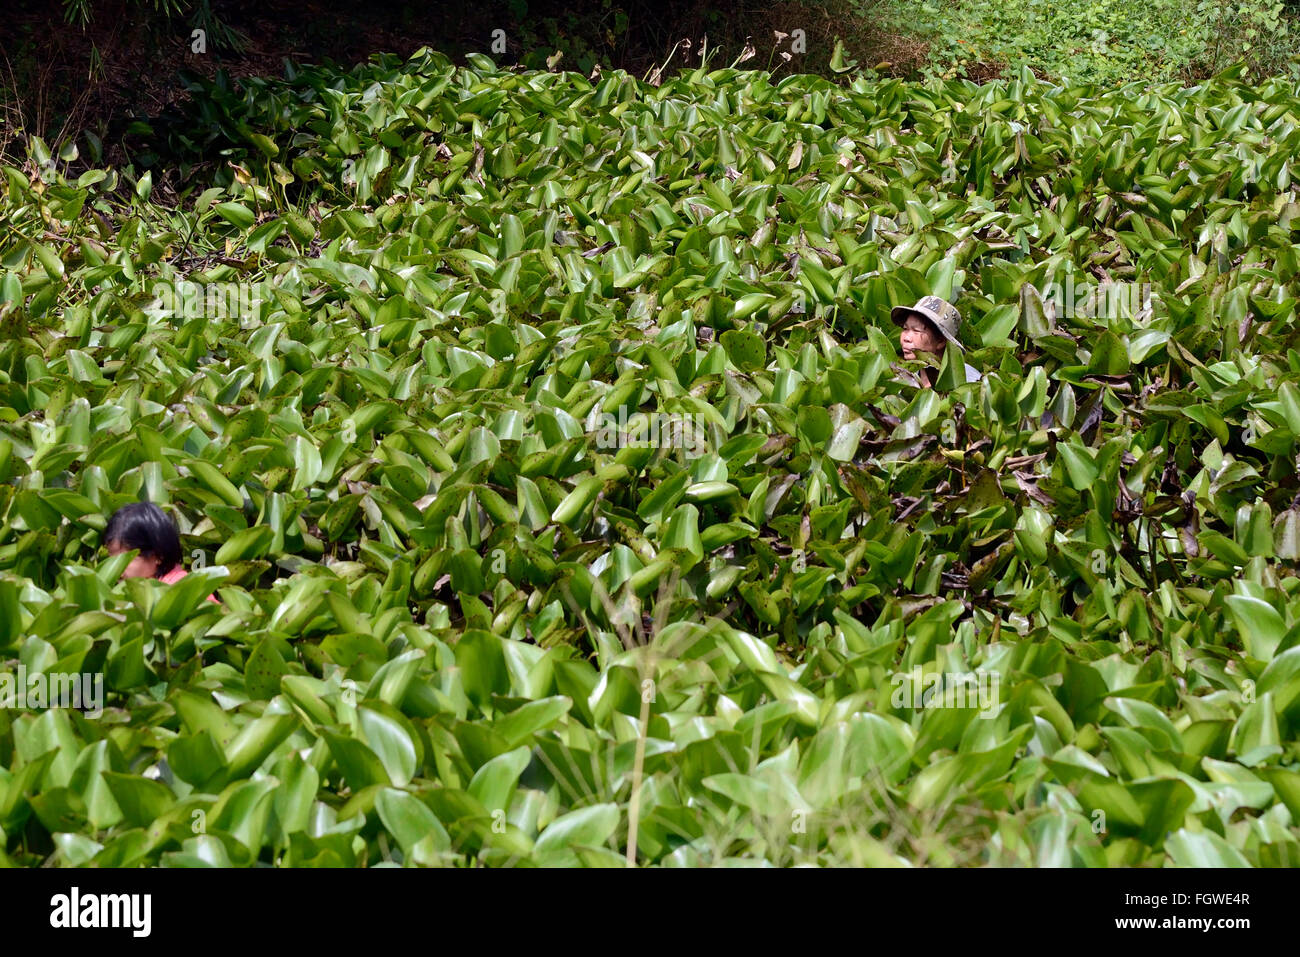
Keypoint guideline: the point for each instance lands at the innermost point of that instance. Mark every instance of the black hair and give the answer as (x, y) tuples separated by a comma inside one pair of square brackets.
[(144, 526)]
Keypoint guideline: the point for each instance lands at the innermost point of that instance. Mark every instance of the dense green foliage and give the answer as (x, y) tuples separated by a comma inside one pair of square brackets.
[(456, 626), (1097, 41)]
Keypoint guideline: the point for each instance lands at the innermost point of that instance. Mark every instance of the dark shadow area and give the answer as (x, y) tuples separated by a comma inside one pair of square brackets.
[(97, 64)]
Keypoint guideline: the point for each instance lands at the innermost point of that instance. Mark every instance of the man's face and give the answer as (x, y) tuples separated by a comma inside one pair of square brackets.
[(919, 336), (142, 566)]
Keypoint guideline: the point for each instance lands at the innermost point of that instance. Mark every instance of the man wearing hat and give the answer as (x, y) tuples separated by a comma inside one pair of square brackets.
[(928, 327)]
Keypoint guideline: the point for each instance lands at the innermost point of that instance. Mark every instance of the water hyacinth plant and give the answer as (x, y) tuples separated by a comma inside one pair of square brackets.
[(455, 627)]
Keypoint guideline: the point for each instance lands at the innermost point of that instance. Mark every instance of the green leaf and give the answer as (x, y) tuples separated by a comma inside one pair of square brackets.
[(482, 667), (237, 215), (494, 782), (1080, 469), (521, 724), (391, 742), (1258, 623), (186, 596), (246, 544), (1202, 849), (417, 829), (263, 670), (683, 532), (360, 766), (587, 827), (746, 350), (265, 144)]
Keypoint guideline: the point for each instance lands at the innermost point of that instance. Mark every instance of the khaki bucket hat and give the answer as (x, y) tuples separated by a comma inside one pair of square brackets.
[(941, 314)]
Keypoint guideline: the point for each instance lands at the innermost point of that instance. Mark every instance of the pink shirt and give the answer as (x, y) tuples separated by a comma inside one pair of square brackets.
[(175, 575)]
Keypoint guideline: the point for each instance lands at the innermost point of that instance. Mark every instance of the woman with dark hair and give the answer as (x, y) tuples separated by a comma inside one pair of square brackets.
[(144, 527)]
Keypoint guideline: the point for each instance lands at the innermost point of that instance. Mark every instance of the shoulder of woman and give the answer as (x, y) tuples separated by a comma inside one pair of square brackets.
[(173, 576)]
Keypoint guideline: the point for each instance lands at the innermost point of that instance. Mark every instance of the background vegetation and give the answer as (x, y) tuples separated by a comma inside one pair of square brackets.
[(100, 64), (1095, 41)]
